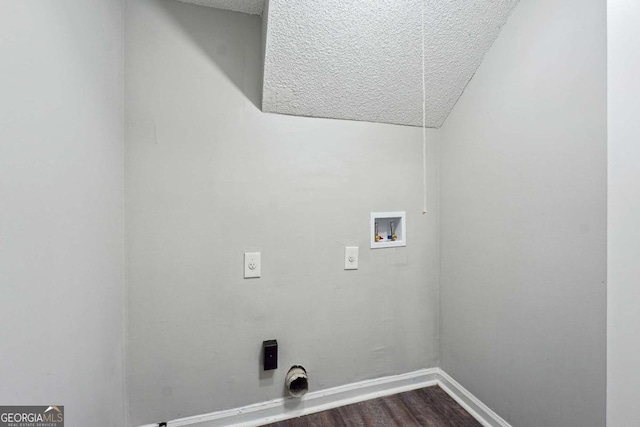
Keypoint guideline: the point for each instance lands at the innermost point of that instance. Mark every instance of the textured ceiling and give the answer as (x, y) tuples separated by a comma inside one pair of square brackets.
[(362, 59), (253, 7)]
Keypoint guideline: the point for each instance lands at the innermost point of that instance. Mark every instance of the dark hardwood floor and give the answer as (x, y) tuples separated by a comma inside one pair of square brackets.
[(431, 407)]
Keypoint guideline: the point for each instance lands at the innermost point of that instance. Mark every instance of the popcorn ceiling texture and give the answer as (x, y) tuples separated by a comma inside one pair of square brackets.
[(362, 60), (252, 7)]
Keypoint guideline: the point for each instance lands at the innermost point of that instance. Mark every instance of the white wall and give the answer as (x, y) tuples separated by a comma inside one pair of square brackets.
[(209, 177), (623, 349), (61, 196), (523, 228)]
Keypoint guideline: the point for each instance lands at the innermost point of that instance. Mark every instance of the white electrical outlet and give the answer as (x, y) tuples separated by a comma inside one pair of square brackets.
[(252, 265), (351, 258)]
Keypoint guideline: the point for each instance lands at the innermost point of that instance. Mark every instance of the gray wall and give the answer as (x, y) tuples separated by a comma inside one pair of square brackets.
[(523, 228), (623, 349), (208, 177), (61, 196)]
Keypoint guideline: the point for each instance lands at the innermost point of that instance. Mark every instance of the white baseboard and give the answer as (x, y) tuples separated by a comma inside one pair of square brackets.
[(473, 405), (285, 408)]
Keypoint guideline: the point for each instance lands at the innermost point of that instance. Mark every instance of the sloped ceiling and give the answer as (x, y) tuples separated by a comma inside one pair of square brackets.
[(362, 59)]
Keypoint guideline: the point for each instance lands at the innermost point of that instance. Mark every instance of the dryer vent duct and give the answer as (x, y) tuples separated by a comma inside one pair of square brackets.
[(297, 381)]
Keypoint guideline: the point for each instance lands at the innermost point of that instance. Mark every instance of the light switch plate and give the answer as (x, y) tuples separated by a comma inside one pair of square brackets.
[(252, 265), (351, 257)]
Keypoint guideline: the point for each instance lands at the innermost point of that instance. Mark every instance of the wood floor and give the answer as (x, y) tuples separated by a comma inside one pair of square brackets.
[(431, 407)]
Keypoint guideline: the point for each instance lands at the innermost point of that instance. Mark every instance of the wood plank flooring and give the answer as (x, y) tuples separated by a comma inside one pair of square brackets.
[(430, 407)]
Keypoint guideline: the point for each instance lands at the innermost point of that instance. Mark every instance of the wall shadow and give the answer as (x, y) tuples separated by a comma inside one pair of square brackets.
[(231, 40)]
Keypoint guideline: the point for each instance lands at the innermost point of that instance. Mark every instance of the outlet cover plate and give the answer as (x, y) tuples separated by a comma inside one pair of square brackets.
[(252, 265), (351, 257)]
